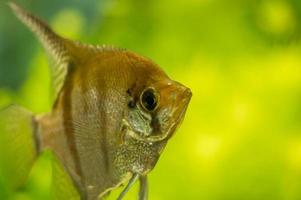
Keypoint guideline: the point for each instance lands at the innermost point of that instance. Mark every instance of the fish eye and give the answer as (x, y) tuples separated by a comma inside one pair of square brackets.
[(149, 99)]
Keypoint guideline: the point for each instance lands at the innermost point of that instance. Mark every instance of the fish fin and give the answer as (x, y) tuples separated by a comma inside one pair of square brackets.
[(18, 147), (63, 52), (128, 187), (62, 186), (143, 189), (55, 45)]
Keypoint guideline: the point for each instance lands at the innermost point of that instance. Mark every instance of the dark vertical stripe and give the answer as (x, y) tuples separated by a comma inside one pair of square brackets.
[(101, 120), (103, 147), (104, 131), (68, 120)]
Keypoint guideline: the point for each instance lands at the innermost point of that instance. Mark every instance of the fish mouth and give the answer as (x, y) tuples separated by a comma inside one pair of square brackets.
[(180, 113), (170, 130)]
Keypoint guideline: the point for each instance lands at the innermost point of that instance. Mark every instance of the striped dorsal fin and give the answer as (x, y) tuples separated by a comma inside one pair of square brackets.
[(62, 51), (54, 45)]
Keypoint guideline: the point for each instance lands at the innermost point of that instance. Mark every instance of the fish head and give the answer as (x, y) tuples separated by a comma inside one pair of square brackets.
[(157, 104), (158, 110), (156, 107), (172, 101)]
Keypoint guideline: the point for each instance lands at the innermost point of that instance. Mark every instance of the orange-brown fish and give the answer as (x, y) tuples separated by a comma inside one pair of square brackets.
[(113, 114)]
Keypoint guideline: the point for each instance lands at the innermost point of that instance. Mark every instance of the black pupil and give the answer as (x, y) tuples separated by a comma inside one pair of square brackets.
[(149, 100)]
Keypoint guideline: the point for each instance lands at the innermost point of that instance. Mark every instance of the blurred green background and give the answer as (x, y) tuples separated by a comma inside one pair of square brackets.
[(241, 138)]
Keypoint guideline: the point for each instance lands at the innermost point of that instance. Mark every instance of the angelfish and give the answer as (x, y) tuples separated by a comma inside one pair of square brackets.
[(113, 113)]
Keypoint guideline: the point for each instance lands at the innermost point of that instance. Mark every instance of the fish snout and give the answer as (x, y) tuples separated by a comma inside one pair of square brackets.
[(186, 96)]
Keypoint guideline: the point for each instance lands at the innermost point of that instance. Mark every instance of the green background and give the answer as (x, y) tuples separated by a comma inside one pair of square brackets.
[(241, 137)]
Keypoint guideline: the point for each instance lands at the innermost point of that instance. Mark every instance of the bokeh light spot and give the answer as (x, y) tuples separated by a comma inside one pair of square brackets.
[(69, 23), (294, 154), (208, 147), (276, 17)]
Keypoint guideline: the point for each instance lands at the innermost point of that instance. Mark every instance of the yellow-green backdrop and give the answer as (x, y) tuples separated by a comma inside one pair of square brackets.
[(241, 138)]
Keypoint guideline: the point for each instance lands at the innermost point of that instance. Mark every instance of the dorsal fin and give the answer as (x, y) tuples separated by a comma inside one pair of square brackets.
[(55, 45), (62, 51)]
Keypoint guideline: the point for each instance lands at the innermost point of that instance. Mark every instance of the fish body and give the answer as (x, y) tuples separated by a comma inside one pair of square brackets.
[(112, 115)]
